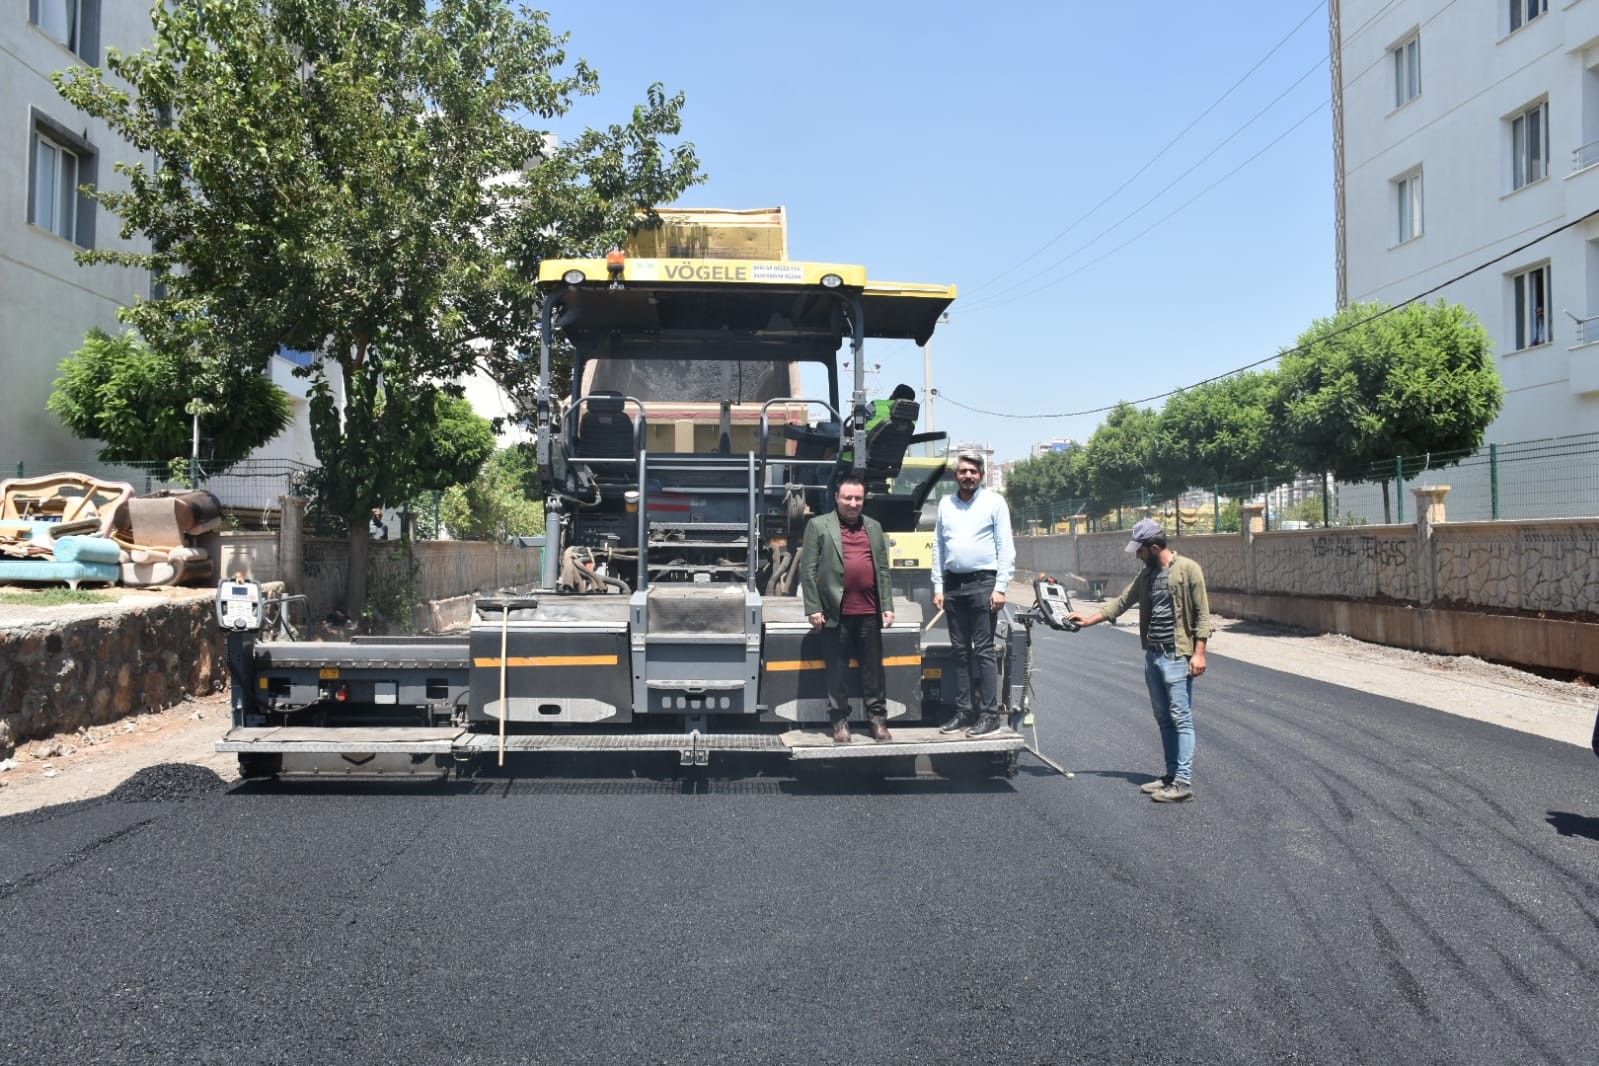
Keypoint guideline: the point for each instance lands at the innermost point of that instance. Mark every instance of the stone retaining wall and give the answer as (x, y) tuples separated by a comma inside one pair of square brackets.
[(89, 667), (1523, 592)]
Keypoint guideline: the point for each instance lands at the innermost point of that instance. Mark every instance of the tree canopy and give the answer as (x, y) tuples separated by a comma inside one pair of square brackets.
[(1359, 389), (496, 504), (135, 399), (1121, 457), (367, 180), (1041, 486), (1221, 432), (1415, 381)]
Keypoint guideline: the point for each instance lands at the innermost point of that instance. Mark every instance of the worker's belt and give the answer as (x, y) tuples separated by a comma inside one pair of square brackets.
[(951, 578), (1169, 649)]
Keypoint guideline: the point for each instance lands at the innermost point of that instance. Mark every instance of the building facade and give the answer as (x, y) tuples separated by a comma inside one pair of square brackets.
[(48, 301), (1467, 148), (1042, 448)]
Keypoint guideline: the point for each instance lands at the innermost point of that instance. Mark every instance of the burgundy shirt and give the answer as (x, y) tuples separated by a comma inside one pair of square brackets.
[(860, 574)]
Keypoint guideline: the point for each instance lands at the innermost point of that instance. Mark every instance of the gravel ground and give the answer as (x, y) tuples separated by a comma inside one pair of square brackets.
[(80, 766)]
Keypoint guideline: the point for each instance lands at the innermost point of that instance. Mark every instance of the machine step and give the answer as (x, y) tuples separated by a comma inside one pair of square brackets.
[(908, 740), (419, 740)]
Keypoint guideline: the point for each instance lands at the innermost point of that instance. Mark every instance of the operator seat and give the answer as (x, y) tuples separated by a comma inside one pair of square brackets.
[(887, 442), (605, 431)]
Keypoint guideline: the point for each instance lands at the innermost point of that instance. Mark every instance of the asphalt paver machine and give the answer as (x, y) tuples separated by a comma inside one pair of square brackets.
[(681, 467)]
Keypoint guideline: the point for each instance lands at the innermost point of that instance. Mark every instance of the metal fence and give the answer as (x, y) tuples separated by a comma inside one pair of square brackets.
[(248, 489), (1553, 478), (1557, 477)]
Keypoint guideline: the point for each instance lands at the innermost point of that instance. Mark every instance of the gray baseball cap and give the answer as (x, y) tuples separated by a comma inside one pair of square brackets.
[(1145, 529)]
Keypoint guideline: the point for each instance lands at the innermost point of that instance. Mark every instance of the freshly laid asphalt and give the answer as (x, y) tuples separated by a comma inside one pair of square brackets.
[(1357, 881)]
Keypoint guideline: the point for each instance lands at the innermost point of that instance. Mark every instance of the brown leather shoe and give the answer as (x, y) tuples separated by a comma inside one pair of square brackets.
[(880, 729), (841, 731)]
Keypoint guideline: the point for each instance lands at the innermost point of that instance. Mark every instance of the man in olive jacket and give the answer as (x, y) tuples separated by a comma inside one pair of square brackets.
[(1174, 625), (844, 581)]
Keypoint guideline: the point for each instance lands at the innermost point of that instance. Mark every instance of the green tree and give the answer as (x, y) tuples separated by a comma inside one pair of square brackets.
[(364, 179), (1222, 431), (135, 399), (459, 442), (1418, 381), (496, 504), (1121, 458), (1042, 487)]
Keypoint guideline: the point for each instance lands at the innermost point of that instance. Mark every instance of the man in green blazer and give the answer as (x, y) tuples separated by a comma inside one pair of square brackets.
[(844, 580)]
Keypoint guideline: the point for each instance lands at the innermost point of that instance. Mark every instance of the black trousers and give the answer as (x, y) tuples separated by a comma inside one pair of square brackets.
[(858, 637), (970, 618)]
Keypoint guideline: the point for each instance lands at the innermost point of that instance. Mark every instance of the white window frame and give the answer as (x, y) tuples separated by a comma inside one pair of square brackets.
[(1529, 145), (1407, 69), (1524, 11), (40, 12), (1530, 304), (1409, 202), (56, 208)]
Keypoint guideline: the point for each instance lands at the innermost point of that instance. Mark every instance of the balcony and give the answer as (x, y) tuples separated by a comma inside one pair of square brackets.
[(1584, 157), (1587, 329)]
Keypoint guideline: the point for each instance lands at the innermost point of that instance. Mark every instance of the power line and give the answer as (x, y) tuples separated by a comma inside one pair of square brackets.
[(989, 299), (994, 299), (994, 303), (943, 397), (1158, 155)]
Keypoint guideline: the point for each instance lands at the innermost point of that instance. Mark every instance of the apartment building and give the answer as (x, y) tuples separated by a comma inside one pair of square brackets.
[(1467, 157), (48, 301)]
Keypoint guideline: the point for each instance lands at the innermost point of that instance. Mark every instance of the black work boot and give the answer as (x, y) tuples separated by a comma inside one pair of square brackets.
[(879, 724), (986, 724), (841, 731), (957, 723)]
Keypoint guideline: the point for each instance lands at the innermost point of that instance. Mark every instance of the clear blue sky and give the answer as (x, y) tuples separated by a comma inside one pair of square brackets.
[(949, 142)]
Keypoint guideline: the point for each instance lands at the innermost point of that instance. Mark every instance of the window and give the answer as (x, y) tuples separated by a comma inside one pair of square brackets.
[(1524, 11), (75, 23), (58, 163), (1407, 70), (1529, 145), (55, 187), (1531, 294), (1408, 191)]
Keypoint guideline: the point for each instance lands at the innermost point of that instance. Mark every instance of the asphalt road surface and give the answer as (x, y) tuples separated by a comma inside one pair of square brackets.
[(1357, 881)]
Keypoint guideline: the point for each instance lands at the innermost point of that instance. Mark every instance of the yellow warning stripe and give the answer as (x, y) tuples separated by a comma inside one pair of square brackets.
[(547, 660), (798, 664), (821, 664)]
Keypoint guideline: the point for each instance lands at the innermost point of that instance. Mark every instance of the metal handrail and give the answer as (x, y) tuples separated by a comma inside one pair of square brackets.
[(749, 527), (1584, 157), (572, 417), (804, 400), (1585, 327)]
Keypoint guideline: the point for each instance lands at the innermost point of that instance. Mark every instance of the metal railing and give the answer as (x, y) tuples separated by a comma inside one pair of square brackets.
[(1587, 331), (248, 489), (1584, 157)]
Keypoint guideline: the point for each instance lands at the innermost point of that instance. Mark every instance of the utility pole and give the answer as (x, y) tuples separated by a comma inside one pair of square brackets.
[(927, 377)]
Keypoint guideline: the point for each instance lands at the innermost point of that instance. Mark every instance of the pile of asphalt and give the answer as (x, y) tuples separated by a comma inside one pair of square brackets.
[(168, 781)]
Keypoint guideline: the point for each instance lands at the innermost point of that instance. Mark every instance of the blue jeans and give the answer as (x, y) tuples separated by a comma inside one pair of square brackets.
[(1171, 695)]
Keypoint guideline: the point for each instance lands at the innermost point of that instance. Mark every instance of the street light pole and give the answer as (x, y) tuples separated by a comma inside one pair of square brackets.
[(195, 407)]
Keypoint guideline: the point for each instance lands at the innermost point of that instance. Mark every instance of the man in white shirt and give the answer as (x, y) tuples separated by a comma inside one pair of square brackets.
[(973, 562)]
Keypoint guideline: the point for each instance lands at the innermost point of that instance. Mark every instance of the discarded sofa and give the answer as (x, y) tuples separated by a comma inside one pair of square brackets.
[(169, 539), (57, 528)]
